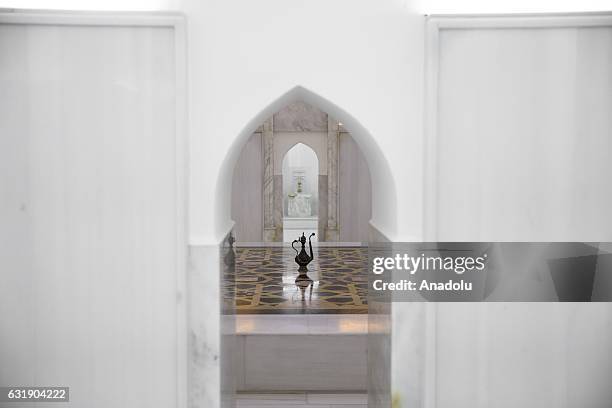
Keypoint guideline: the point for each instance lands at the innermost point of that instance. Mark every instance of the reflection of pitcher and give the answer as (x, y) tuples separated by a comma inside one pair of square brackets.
[(303, 285), (302, 257)]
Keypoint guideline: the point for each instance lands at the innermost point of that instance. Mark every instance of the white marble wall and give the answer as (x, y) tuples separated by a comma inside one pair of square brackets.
[(89, 260), (379, 355), (269, 229), (523, 354), (413, 351), (329, 223), (212, 343), (248, 184), (523, 151), (523, 142), (204, 327), (379, 343), (306, 362), (354, 192), (300, 117), (323, 206)]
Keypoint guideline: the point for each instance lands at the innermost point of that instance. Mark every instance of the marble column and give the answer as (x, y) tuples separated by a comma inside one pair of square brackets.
[(269, 230), (379, 336), (278, 208), (204, 380), (322, 209), (331, 230), (212, 346)]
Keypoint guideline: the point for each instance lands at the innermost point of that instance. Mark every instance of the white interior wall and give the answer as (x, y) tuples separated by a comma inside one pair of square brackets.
[(424, 6), (247, 192), (88, 209), (94, 5), (233, 75), (354, 190), (523, 152), (245, 66), (506, 355), (511, 6)]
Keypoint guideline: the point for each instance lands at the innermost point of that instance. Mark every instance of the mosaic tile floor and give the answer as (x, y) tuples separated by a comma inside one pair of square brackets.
[(265, 281)]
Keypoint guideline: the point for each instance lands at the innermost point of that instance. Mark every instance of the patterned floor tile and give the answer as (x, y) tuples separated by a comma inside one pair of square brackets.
[(263, 281)]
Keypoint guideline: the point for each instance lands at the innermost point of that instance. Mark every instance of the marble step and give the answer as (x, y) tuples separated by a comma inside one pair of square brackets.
[(301, 352)]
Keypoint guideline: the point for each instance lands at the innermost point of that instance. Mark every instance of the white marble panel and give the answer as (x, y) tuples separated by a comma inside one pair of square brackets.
[(313, 324), (501, 354), (304, 400), (248, 199), (338, 324), (271, 324), (379, 344), (410, 348), (299, 205), (300, 117), (278, 207), (379, 355), (271, 400), (269, 231), (354, 190), (323, 194), (337, 399), (330, 227), (89, 258), (305, 362), (523, 122), (205, 330), (294, 227)]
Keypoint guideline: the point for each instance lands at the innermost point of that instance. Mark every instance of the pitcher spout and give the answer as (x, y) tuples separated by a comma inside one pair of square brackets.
[(310, 245)]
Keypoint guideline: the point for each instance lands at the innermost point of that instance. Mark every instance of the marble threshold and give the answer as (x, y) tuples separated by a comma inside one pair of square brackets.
[(302, 399), (328, 324)]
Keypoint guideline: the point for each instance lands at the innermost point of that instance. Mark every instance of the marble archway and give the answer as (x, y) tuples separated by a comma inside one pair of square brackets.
[(383, 214), (327, 152), (302, 198), (383, 195)]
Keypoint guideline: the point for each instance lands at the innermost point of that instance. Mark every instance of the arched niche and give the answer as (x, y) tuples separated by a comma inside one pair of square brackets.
[(384, 208), (300, 171)]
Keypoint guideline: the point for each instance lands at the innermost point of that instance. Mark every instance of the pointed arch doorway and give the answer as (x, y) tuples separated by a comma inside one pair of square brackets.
[(300, 173), (338, 197), (350, 360)]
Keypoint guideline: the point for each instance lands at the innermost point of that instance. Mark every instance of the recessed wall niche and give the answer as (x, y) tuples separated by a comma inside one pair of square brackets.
[(336, 192), (300, 171)]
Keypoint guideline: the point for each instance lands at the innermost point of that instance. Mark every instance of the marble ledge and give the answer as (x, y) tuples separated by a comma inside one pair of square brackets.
[(302, 324)]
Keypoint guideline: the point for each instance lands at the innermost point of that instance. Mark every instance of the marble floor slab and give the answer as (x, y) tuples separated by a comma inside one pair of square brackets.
[(302, 400), (317, 324)]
